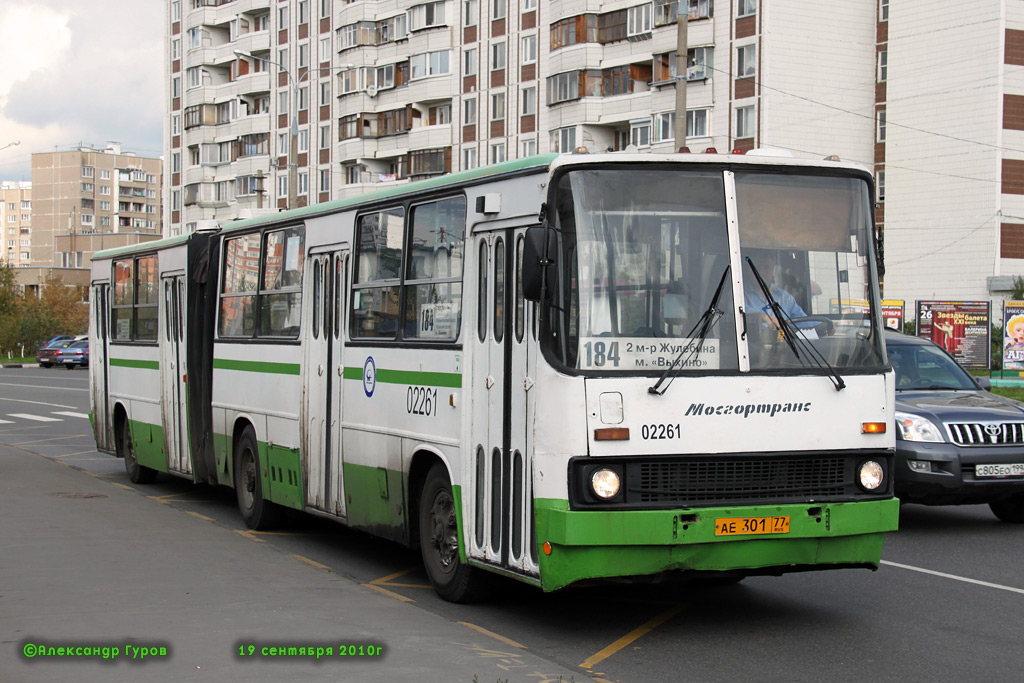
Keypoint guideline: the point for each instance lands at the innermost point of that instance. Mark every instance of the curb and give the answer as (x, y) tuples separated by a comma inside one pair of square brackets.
[(12, 365)]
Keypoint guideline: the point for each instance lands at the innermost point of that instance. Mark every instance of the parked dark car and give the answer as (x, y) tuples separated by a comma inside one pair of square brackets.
[(75, 355), (956, 443), (47, 355)]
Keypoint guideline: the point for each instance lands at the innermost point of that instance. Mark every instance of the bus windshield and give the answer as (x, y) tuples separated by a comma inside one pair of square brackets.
[(643, 251)]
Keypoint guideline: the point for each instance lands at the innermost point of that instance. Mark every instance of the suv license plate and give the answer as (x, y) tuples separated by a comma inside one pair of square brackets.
[(743, 526), (997, 471)]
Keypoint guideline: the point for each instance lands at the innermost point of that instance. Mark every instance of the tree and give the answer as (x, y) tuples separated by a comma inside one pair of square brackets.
[(28, 320)]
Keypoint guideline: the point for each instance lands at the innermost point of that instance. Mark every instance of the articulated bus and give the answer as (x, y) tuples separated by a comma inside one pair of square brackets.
[(559, 369)]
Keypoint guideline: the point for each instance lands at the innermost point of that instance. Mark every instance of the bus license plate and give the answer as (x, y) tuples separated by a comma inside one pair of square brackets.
[(1014, 470), (743, 526)]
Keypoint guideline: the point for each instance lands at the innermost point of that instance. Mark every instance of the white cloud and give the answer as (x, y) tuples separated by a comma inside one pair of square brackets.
[(80, 72)]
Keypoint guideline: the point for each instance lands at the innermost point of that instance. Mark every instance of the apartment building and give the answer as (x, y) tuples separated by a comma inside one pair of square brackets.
[(950, 148), (16, 222), (85, 200), (291, 102)]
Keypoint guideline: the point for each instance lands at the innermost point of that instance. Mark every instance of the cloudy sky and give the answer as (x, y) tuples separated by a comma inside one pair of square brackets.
[(79, 71)]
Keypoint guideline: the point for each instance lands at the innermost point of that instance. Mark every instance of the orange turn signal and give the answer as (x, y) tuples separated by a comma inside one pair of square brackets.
[(872, 428), (612, 434), (547, 548)]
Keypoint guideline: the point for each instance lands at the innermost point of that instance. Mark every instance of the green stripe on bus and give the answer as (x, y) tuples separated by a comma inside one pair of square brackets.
[(256, 366), (428, 379), (129, 363)]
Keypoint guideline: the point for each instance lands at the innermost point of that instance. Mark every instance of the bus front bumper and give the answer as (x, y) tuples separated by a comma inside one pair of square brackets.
[(644, 543)]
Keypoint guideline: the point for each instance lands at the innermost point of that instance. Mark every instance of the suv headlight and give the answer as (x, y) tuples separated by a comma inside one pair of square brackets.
[(912, 427)]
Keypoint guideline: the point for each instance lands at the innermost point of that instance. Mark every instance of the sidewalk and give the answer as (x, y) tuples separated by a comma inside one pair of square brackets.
[(87, 562)]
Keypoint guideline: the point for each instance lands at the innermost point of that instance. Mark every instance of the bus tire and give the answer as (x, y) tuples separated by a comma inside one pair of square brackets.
[(138, 474), (257, 512), (453, 580)]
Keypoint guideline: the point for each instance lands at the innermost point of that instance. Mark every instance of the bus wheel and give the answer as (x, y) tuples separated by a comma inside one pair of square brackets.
[(439, 543), (257, 512), (139, 474), (1009, 510)]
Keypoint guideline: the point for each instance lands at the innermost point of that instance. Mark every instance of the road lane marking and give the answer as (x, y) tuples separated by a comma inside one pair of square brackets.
[(196, 514), (38, 403), (311, 563), (248, 534), (492, 634), (389, 577), (37, 418), (390, 594), (71, 413), (954, 577), (6, 422), (54, 438), (633, 635)]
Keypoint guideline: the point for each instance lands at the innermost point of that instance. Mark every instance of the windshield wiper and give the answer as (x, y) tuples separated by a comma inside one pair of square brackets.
[(702, 328), (791, 334)]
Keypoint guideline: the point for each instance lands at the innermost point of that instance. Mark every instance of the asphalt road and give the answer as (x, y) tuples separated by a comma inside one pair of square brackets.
[(947, 604)]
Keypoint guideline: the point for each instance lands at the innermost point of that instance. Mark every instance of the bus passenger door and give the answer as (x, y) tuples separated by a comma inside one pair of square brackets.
[(172, 375), (501, 467), (99, 373), (324, 369)]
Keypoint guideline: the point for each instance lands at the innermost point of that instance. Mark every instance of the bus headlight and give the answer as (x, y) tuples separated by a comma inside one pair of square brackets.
[(605, 483), (870, 475)]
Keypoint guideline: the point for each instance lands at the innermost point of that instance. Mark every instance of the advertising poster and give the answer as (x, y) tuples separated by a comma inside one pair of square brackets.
[(960, 327), (1013, 335), (892, 310)]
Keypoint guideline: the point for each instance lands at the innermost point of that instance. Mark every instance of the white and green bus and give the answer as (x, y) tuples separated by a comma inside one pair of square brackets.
[(559, 369)]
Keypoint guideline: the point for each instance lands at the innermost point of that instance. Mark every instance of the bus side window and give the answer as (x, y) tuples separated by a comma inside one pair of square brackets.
[(520, 301), (481, 317)]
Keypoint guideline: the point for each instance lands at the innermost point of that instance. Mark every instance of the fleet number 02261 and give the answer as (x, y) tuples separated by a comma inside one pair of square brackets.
[(421, 401)]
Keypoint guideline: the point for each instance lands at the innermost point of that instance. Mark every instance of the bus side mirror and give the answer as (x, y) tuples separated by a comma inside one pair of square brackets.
[(539, 274)]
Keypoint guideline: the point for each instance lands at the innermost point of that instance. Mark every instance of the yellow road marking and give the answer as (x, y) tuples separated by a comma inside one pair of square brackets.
[(127, 488), (388, 593), (311, 563), (492, 634), (248, 534), (68, 455), (405, 585), (389, 577), (202, 517), (284, 533), (55, 438), (633, 635)]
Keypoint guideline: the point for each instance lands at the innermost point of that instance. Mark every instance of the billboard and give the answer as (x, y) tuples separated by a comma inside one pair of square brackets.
[(1013, 335), (961, 327)]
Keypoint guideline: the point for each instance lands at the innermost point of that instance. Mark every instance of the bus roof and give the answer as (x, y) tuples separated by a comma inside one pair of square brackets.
[(141, 246), (449, 179)]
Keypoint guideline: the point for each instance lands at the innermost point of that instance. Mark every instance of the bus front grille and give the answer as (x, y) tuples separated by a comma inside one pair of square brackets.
[(696, 482)]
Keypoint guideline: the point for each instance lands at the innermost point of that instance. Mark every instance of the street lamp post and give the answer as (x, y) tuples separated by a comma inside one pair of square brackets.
[(293, 157), (10, 144)]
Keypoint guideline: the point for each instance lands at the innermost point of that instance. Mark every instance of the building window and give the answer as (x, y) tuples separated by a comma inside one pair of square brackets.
[(880, 185), (469, 62), (325, 180), (745, 8), (563, 139), (469, 112), (746, 61), (612, 26), (498, 56), (744, 122), (498, 153), (640, 132), (881, 125), (664, 126), (325, 49), (697, 123), (426, 16), (500, 9), (303, 95), (282, 17), (883, 10), (176, 86), (528, 54), (529, 148), (303, 55), (883, 65), (88, 171), (303, 12), (325, 136), (529, 98), (638, 22), (325, 93), (470, 10), (564, 87), (87, 188), (428, 64), (469, 159), (498, 106)]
